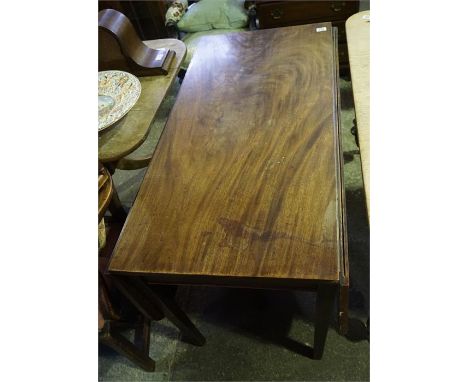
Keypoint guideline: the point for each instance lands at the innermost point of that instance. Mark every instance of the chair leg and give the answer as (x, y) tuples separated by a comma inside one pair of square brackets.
[(124, 347)]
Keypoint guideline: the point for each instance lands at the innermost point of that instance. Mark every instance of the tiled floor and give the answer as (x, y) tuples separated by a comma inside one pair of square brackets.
[(259, 335)]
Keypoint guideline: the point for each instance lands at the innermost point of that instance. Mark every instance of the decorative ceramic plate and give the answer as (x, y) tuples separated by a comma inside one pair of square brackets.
[(118, 92)]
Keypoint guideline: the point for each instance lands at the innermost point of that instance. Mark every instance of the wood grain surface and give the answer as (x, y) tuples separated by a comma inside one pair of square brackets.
[(245, 180), (131, 131), (357, 29)]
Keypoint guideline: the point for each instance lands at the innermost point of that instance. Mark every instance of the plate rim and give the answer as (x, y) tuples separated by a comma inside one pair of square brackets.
[(135, 80)]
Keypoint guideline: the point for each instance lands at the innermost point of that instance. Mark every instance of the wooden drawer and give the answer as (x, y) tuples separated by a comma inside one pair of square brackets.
[(284, 13)]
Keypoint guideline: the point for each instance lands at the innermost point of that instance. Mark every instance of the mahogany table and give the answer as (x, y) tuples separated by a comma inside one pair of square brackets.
[(245, 188)]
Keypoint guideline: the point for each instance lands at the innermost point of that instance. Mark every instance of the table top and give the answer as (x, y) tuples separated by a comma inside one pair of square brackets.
[(131, 131), (357, 32), (246, 180)]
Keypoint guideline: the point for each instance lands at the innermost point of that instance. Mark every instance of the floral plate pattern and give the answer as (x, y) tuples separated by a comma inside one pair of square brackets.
[(118, 92)]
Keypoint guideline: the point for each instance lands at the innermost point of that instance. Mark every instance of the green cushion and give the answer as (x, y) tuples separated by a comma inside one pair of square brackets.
[(191, 40), (214, 14)]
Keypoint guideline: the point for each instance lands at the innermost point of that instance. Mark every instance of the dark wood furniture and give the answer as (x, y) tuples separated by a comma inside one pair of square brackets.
[(245, 188), (118, 145), (110, 318), (148, 17), (120, 48), (274, 14)]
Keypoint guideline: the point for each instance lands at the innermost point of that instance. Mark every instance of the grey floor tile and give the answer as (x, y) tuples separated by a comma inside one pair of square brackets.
[(263, 335)]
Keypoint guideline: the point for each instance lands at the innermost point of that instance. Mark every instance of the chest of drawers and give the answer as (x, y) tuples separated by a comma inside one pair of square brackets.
[(274, 14)]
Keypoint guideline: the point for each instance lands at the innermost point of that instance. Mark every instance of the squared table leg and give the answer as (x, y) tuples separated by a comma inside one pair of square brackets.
[(143, 336), (324, 307)]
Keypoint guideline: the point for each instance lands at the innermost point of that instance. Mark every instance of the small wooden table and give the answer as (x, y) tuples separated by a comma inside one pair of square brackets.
[(122, 139), (245, 188), (357, 32)]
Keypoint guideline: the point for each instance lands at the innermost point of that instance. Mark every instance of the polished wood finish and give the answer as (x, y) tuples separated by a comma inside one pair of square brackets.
[(120, 48), (227, 195), (245, 187), (357, 29), (274, 14), (148, 17), (131, 131), (152, 304), (343, 291)]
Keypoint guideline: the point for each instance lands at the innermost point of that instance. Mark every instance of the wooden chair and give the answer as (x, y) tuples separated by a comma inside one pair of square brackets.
[(112, 316)]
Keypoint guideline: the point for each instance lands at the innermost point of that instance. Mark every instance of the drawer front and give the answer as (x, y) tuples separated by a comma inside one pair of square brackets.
[(282, 13)]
